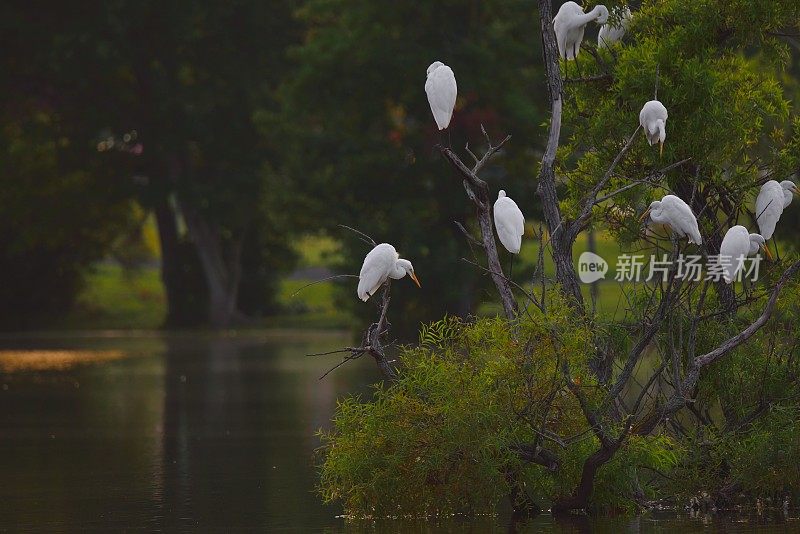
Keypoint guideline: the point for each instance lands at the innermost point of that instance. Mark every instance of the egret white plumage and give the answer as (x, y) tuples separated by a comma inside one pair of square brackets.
[(653, 119), (442, 90), (382, 262), (509, 222), (736, 246), (613, 31), (569, 24), (673, 212), (773, 198)]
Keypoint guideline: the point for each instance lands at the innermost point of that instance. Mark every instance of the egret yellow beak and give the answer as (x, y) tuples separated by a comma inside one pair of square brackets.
[(767, 252), (644, 215), (660, 149), (415, 279), (796, 191)]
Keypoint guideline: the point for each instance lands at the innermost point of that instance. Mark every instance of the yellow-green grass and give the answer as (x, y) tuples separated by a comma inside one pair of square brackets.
[(308, 306), (317, 251), (115, 298)]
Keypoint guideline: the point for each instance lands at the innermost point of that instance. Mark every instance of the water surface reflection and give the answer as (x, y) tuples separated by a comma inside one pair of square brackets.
[(187, 432)]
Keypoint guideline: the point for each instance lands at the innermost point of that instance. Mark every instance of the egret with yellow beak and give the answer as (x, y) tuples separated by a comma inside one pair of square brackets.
[(381, 263)]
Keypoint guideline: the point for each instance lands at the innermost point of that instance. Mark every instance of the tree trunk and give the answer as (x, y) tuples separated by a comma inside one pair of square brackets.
[(579, 499), (170, 262), (560, 243), (222, 275)]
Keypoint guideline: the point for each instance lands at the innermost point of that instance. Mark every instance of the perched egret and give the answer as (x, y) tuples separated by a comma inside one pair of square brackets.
[(612, 32), (653, 119), (736, 246), (381, 263), (569, 23), (675, 213), (442, 90), (509, 222), (773, 198)]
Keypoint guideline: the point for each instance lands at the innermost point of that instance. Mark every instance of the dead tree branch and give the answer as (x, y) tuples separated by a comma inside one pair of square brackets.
[(371, 343), (478, 191), (559, 235)]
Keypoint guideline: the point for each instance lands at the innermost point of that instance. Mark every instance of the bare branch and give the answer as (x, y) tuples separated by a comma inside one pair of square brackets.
[(364, 237), (491, 151), (478, 191), (678, 400), (467, 234), (589, 202), (371, 343), (326, 279), (650, 180), (596, 78), (469, 176)]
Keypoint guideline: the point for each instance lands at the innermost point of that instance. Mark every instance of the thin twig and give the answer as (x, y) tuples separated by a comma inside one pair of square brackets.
[(364, 237)]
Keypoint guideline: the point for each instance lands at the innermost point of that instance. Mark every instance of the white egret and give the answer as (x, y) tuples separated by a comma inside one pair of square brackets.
[(653, 119), (509, 222), (736, 246), (675, 213), (569, 23), (382, 262), (773, 198), (613, 31), (442, 90)]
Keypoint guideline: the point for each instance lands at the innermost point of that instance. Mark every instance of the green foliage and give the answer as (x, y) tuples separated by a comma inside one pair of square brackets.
[(728, 110), (766, 458), (442, 438)]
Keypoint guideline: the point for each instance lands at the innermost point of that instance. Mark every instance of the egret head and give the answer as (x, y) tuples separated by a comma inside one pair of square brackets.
[(602, 14), (654, 210), (435, 65), (501, 194), (757, 242), (408, 269), (790, 187)]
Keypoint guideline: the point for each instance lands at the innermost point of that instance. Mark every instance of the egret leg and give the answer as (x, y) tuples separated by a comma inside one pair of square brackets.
[(577, 66), (775, 245), (449, 139), (511, 267)]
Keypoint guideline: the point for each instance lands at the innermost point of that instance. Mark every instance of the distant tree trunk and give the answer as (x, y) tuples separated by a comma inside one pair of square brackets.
[(170, 261), (222, 271)]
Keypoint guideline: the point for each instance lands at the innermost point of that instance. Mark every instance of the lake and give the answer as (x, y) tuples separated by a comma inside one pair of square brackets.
[(193, 431)]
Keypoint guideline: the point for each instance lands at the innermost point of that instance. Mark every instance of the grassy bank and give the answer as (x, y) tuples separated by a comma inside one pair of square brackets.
[(115, 298)]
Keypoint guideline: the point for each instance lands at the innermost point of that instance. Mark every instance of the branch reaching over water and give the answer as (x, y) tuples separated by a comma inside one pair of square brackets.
[(371, 343)]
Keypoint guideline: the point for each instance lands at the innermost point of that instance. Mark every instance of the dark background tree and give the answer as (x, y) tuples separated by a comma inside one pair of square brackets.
[(363, 138), (169, 92)]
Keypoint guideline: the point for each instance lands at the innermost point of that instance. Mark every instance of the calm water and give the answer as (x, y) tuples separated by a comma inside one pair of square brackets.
[(196, 432)]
